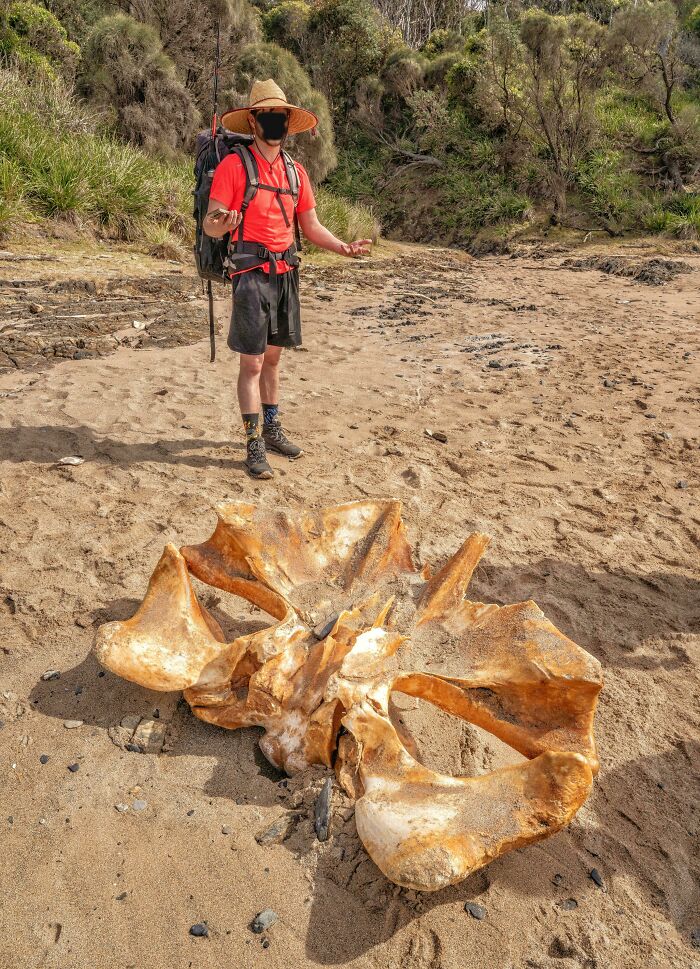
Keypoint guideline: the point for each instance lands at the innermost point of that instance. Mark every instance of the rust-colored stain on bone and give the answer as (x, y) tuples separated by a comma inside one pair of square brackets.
[(349, 571)]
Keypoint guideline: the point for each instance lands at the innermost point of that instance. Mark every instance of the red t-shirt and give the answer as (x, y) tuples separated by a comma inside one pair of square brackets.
[(263, 222)]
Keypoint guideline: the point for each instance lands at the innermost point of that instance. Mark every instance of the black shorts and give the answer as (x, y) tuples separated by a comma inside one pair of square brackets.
[(250, 317)]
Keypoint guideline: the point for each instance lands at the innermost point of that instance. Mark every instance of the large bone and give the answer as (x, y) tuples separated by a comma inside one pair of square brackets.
[(508, 670), (426, 830)]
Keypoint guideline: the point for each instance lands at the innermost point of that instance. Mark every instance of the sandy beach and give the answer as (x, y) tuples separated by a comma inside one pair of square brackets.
[(569, 399)]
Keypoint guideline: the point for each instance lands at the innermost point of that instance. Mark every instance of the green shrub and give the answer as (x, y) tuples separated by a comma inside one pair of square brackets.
[(613, 192), (54, 170), (34, 38), (347, 220)]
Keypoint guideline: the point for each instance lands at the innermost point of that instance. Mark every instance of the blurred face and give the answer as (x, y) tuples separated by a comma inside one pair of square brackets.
[(269, 124)]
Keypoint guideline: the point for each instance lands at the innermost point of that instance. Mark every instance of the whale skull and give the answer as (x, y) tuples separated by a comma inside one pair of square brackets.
[(322, 689)]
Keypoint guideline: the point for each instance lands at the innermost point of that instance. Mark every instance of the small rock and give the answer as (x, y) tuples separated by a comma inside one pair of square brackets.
[(72, 724), (263, 920), (72, 459), (73, 768), (666, 435), (139, 325), (609, 383), (681, 484), (322, 810), (44, 759), (353, 427), (568, 904), (51, 675), (695, 938), (139, 805), (121, 808), (200, 930), (226, 829), (190, 812), (133, 748), (120, 898), (437, 435), (596, 877), (278, 831), (651, 417), (35, 308), (476, 911), (324, 627), (266, 942)]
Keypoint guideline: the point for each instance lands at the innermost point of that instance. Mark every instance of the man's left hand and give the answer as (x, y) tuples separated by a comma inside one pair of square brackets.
[(360, 247)]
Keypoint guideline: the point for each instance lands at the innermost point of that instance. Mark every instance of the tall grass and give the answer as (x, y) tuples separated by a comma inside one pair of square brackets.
[(57, 161)]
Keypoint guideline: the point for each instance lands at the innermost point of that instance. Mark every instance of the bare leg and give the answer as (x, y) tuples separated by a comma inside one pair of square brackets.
[(270, 376), (251, 366)]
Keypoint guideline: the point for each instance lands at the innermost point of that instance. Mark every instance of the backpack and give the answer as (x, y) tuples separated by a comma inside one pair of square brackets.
[(211, 255)]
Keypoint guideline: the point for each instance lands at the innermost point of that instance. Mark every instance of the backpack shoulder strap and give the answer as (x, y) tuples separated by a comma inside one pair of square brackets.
[(251, 171), (252, 182), (292, 175)]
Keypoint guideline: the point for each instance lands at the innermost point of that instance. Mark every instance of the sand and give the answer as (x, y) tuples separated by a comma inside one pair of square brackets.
[(569, 400)]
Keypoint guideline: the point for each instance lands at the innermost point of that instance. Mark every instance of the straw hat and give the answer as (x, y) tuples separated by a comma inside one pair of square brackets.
[(266, 94)]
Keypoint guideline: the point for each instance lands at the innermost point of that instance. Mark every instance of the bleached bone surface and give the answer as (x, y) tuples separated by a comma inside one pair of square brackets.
[(350, 569)]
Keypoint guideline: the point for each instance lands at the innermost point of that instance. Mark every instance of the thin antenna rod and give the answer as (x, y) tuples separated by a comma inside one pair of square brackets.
[(215, 120)]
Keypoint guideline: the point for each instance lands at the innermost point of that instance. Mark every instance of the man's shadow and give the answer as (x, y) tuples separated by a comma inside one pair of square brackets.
[(635, 608), (47, 444)]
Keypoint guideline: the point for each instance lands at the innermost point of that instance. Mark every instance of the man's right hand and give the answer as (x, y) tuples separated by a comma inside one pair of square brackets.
[(218, 227)]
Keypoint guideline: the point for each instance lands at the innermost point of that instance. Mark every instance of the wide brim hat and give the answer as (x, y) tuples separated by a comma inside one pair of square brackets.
[(267, 94)]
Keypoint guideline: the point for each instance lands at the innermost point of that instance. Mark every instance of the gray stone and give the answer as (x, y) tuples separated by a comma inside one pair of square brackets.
[(51, 675), (476, 911), (278, 831), (139, 805), (322, 810), (596, 877), (44, 759), (568, 904), (200, 930), (263, 920), (72, 724)]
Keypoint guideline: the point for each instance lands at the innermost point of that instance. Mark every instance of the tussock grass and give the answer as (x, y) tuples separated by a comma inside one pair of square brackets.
[(347, 220), (57, 162)]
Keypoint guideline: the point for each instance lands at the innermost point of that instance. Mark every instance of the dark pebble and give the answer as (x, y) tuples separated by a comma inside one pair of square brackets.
[(695, 938), (78, 690), (265, 943), (558, 879), (133, 748), (568, 904), (101, 673), (120, 898), (190, 813), (596, 877), (476, 911), (495, 365), (608, 383), (200, 929), (263, 920), (651, 417), (322, 810), (44, 759), (682, 485), (324, 628), (73, 768)]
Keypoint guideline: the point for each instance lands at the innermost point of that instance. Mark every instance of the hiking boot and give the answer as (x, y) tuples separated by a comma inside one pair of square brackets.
[(275, 438), (256, 459)]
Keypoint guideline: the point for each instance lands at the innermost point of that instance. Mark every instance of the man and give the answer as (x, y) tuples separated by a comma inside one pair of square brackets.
[(265, 316)]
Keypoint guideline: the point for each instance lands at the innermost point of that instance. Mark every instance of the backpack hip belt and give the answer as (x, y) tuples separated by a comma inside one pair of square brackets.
[(253, 255)]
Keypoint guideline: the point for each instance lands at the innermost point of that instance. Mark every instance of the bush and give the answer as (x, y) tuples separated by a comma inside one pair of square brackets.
[(128, 76), (56, 163), (32, 37), (347, 220)]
